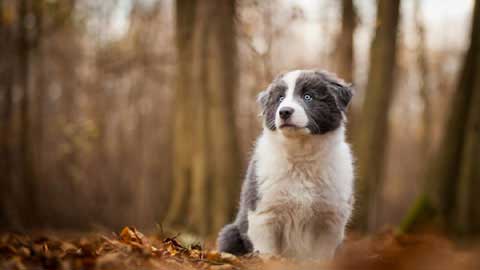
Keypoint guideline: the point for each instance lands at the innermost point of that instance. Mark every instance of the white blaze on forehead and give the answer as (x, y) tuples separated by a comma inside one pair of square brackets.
[(299, 116), (290, 79)]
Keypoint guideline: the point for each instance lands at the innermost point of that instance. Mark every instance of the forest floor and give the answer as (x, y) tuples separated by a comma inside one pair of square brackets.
[(130, 249)]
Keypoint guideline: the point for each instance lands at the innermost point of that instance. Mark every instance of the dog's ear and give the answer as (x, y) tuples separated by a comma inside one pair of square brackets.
[(342, 91), (344, 94), (262, 99)]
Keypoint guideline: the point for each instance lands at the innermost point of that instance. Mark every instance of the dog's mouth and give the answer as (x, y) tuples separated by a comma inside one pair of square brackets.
[(288, 125)]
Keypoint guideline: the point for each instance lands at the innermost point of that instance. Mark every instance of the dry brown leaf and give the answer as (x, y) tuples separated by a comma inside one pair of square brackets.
[(133, 250)]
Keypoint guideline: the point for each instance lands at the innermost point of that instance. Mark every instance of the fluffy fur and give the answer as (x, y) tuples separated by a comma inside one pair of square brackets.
[(297, 196)]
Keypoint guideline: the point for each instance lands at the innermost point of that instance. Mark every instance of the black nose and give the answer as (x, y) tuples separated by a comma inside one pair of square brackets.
[(286, 112)]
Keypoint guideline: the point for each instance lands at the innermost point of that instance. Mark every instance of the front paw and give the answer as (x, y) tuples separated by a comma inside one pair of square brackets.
[(266, 256)]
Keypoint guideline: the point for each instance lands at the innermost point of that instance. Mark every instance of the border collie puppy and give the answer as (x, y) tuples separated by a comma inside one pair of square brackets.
[(298, 193)]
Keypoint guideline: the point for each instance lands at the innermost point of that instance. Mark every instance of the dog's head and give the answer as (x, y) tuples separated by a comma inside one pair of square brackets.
[(305, 102)]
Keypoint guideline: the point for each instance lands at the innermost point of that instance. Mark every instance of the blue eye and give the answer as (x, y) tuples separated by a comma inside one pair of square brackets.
[(281, 98), (307, 97)]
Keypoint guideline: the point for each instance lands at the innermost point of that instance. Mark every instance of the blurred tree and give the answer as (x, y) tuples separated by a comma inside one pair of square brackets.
[(453, 176), (7, 71), (345, 42), (23, 94), (422, 62), (206, 157), (373, 128), (40, 89), (183, 128), (345, 57), (24, 46)]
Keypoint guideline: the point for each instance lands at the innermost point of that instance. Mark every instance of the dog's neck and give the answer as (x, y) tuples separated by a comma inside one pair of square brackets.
[(305, 146)]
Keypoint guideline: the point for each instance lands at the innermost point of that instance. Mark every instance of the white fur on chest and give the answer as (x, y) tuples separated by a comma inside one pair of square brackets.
[(300, 183)]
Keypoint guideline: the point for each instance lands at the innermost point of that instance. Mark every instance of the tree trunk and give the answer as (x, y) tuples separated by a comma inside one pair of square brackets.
[(345, 67), (423, 203), (225, 161), (422, 62), (345, 49), (445, 169), (183, 114), (26, 153), (373, 128), (468, 215), (7, 71), (467, 209), (453, 174), (205, 146), (41, 85)]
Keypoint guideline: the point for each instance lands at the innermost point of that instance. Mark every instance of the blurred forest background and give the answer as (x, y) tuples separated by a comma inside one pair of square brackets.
[(142, 112)]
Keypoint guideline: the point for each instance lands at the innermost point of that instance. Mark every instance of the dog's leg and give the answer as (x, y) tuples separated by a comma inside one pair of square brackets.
[(326, 242), (264, 233), (325, 246)]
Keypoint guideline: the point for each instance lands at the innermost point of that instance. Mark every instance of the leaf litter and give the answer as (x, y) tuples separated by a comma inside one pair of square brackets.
[(130, 249)]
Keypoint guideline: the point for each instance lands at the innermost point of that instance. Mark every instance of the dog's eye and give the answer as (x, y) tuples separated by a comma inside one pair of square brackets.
[(307, 97), (281, 98)]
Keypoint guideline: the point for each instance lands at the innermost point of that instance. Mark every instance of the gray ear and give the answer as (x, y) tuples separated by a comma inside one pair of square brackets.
[(342, 90), (262, 99), (344, 94)]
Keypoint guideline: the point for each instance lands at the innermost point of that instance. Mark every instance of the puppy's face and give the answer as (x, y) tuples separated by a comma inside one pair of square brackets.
[(305, 102)]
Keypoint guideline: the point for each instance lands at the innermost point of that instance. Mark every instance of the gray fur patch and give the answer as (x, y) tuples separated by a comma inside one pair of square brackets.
[(231, 240), (250, 192), (323, 112), (233, 237), (270, 99), (249, 196), (342, 90)]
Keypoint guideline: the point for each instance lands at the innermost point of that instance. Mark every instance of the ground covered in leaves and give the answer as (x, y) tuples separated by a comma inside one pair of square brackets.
[(130, 249)]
